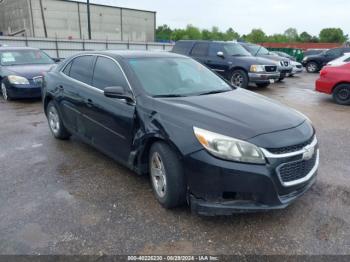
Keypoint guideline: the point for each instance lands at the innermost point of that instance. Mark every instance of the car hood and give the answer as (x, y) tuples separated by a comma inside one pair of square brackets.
[(28, 71), (253, 60), (239, 113)]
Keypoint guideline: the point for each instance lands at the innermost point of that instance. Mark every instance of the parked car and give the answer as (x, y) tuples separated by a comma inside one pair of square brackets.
[(283, 54), (314, 63), (335, 80), (340, 61), (284, 66), (21, 71), (231, 61), (201, 140), (311, 51), (297, 68)]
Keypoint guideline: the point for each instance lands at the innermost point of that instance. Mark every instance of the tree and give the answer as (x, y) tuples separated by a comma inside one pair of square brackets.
[(332, 35), (230, 35), (291, 34), (193, 33), (256, 36), (163, 33), (305, 37), (277, 38)]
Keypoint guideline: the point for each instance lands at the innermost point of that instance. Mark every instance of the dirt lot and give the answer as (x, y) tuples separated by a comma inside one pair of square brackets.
[(66, 198)]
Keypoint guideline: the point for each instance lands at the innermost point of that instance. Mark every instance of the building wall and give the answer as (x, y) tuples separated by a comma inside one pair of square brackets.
[(64, 19), (14, 17)]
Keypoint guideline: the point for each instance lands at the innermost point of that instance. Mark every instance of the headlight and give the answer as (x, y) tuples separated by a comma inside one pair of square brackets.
[(229, 148), (305, 58), (18, 80), (257, 68)]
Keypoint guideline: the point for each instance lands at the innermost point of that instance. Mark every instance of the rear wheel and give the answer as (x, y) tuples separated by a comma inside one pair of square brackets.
[(4, 92), (239, 78), (341, 94), (312, 67), (55, 123), (262, 85), (167, 176)]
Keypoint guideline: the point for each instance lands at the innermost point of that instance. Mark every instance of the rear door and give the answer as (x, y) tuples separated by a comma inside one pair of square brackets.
[(200, 52), (77, 77), (109, 121)]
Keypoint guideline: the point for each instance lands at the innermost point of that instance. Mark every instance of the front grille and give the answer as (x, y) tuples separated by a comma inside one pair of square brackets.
[(270, 68), (289, 149), (296, 170)]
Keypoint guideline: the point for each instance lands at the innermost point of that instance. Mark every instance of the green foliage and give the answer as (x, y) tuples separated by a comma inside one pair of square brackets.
[(256, 36), (332, 35)]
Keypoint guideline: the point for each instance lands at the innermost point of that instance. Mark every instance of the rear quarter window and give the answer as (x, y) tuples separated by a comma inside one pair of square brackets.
[(82, 69)]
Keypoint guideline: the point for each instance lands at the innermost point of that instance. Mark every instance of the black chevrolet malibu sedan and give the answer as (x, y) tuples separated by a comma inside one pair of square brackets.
[(219, 148), (21, 71)]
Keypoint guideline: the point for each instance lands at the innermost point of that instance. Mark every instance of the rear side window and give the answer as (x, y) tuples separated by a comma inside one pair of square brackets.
[(347, 60), (182, 47), (107, 74), (82, 69), (200, 49)]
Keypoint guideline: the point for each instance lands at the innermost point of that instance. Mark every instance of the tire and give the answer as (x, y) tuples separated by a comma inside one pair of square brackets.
[(4, 92), (341, 94), (239, 78), (167, 176), (262, 85), (312, 67), (56, 125)]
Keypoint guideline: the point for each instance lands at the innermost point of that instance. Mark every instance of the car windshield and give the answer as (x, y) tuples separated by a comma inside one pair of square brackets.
[(257, 50), (166, 77), (235, 50), (24, 57)]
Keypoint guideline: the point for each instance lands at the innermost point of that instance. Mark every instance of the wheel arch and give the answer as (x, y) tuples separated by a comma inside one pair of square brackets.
[(141, 161), (340, 83)]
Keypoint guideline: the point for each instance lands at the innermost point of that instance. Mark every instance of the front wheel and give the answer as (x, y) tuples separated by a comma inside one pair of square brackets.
[(167, 176), (312, 67), (239, 78), (4, 92), (55, 123), (341, 94)]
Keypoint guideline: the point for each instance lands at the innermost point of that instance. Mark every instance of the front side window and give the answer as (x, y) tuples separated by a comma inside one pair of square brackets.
[(176, 77), (107, 74), (233, 49), (334, 52), (24, 57), (82, 69)]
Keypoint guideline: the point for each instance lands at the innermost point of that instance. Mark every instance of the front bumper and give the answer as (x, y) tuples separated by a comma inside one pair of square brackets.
[(219, 187), (297, 70), (262, 78), (24, 91)]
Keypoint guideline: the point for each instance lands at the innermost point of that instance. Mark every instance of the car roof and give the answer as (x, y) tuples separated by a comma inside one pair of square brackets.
[(15, 48), (135, 54), (208, 41)]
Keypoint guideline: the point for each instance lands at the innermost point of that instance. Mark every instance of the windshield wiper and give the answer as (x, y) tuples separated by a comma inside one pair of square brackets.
[(214, 92)]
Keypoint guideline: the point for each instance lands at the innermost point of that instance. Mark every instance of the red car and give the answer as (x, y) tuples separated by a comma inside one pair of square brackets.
[(335, 80)]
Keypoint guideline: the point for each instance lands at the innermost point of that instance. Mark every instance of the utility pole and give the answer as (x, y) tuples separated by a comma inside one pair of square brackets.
[(89, 19)]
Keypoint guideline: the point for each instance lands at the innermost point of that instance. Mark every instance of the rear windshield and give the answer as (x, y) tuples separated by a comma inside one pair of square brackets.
[(24, 57)]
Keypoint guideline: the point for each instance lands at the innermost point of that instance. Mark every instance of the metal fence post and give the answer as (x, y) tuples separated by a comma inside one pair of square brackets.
[(56, 44)]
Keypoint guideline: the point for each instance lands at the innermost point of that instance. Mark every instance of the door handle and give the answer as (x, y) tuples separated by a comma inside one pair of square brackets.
[(89, 103)]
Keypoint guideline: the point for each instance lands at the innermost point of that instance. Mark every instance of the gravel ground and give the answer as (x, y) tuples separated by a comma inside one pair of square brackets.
[(66, 198)]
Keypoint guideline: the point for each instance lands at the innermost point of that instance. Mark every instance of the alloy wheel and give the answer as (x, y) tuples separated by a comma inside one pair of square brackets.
[(158, 175), (237, 79), (4, 91), (54, 120), (312, 67)]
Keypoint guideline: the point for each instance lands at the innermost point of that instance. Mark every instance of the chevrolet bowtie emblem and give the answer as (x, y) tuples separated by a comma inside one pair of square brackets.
[(309, 152)]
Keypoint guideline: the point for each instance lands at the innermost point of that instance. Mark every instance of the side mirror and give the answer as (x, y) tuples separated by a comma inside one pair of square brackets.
[(57, 60), (117, 92), (220, 54)]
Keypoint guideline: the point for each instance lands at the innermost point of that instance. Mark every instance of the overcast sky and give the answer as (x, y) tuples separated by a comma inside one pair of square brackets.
[(273, 16)]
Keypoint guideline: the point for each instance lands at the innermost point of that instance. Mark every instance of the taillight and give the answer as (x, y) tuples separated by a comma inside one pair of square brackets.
[(323, 73)]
